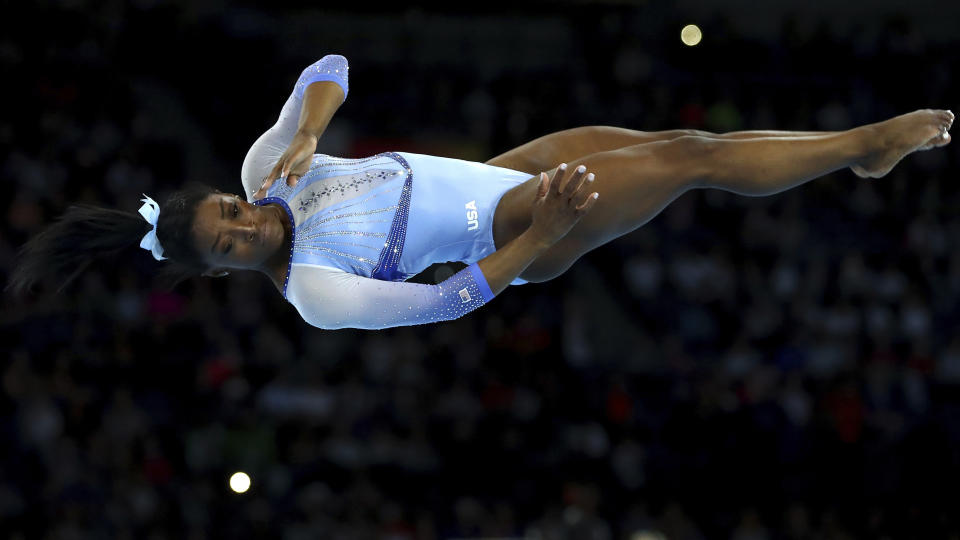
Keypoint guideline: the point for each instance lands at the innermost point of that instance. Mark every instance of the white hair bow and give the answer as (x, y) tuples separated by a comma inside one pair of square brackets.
[(150, 212)]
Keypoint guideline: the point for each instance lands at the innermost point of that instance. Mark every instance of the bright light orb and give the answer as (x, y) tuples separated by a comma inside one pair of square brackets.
[(240, 482), (690, 35)]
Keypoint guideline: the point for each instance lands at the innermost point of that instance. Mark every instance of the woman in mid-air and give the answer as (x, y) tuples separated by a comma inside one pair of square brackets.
[(338, 237)]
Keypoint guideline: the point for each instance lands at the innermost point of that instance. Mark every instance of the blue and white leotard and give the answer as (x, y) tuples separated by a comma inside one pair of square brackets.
[(363, 226)]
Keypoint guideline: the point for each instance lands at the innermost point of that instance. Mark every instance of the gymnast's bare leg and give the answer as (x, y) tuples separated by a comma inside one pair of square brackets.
[(636, 182), (561, 146)]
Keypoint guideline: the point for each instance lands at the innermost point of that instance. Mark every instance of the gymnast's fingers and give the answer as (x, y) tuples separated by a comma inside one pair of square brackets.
[(543, 186), (291, 165), (573, 183), (576, 184), (260, 193), (288, 169), (587, 204), (292, 175), (591, 198), (557, 179), (289, 160), (296, 171), (275, 172)]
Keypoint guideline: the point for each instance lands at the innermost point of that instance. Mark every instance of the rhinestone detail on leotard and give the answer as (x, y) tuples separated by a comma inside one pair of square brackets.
[(341, 185), (305, 239), (390, 256)]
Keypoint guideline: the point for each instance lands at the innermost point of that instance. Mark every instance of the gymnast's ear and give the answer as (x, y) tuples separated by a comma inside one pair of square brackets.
[(216, 272)]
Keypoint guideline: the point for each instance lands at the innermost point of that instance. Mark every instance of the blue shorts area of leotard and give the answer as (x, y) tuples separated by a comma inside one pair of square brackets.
[(451, 210)]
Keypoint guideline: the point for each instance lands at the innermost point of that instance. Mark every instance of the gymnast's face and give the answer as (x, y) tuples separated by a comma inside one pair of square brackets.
[(229, 232)]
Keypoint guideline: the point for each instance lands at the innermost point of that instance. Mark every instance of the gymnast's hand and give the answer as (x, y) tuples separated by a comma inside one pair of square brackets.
[(294, 163), (559, 205)]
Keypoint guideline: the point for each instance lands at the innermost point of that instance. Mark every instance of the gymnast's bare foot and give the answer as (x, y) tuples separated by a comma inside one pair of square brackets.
[(902, 135)]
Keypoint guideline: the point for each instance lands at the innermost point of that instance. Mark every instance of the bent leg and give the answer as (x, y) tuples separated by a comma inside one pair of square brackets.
[(552, 149)]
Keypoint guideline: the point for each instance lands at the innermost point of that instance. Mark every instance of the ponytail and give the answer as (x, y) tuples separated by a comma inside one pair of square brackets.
[(85, 233)]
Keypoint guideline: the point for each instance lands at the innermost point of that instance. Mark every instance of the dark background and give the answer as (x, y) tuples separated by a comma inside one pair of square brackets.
[(747, 368)]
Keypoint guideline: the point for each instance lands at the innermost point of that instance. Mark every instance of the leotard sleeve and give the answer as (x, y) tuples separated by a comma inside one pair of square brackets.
[(265, 152), (331, 298)]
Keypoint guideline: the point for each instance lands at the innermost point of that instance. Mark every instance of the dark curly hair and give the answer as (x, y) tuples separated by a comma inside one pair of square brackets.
[(85, 233)]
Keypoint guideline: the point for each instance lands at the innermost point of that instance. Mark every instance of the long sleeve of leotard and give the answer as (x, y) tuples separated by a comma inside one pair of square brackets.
[(265, 152), (331, 298)]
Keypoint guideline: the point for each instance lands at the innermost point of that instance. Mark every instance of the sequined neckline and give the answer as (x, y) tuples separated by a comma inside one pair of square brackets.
[(293, 234)]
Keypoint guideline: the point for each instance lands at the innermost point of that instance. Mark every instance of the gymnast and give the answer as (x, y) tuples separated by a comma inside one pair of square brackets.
[(339, 237)]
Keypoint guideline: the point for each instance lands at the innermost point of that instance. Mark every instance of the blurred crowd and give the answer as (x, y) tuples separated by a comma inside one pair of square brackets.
[(782, 367)]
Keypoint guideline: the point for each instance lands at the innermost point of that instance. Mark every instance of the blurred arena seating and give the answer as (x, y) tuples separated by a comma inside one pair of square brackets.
[(749, 368)]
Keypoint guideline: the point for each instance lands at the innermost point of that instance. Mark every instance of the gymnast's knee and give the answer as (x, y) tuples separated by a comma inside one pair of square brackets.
[(695, 158)]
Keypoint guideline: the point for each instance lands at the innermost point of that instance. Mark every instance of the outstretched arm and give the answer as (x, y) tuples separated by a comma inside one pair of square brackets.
[(319, 91)]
